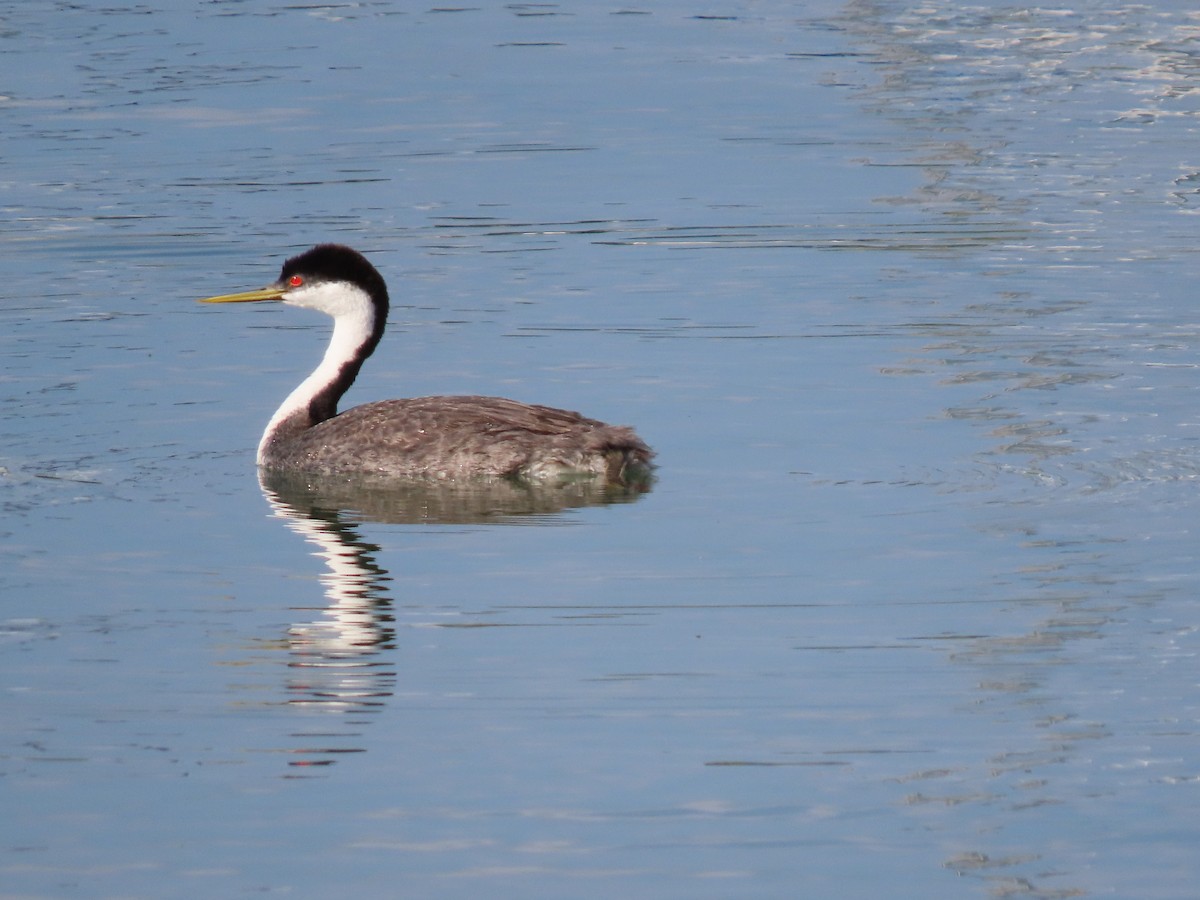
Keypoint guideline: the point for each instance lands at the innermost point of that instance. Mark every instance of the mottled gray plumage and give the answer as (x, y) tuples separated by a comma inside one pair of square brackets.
[(450, 437), (436, 437)]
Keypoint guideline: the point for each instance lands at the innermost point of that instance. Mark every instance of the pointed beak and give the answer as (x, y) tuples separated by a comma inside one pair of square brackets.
[(271, 292)]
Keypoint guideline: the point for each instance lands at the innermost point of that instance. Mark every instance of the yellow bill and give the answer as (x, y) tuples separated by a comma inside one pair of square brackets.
[(273, 292)]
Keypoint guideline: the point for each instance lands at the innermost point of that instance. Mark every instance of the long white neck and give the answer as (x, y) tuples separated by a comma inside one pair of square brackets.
[(315, 398)]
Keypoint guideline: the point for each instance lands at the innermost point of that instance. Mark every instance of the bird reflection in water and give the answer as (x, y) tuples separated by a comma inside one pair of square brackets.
[(339, 662)]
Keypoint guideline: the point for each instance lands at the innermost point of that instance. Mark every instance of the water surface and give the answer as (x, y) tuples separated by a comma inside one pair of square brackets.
[(903, 299)]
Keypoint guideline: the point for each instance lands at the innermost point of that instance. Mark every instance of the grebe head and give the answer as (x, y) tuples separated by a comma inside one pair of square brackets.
[(332, 278), (336, 280)]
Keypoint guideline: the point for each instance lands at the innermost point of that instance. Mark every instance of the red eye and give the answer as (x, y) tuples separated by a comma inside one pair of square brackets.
[(295, 281)]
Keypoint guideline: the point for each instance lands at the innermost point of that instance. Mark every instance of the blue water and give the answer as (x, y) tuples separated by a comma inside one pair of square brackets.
[(903, 298)]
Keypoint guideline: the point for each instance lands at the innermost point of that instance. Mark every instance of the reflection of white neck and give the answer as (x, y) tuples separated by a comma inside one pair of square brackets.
[(353, 322), (349, 628)]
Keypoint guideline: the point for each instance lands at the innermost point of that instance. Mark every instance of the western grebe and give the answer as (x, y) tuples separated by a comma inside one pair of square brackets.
[(439, 437)]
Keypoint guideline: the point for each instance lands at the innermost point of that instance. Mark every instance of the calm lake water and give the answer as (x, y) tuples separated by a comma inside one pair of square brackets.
[(903, 296)]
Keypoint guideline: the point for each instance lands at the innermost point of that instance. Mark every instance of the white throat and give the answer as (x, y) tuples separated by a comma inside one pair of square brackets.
[(353, 322)]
